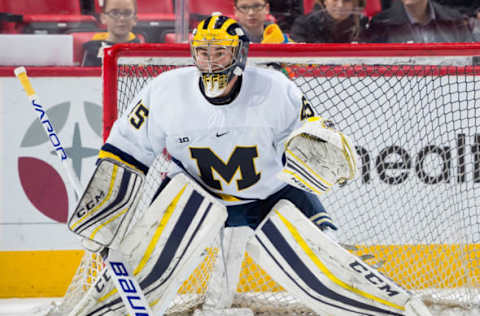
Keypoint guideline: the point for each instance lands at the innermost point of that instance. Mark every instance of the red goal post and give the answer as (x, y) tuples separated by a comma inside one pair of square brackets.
[(413, 111)]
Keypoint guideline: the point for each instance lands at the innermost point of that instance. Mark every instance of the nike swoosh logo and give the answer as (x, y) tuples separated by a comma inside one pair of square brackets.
[(220, 135)]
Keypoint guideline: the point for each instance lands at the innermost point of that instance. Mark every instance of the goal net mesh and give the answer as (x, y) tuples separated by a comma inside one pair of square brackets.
[(413, 212)]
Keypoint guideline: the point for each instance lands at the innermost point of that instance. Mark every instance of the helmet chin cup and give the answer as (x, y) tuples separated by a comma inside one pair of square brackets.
[(215, 84), (214, 92)]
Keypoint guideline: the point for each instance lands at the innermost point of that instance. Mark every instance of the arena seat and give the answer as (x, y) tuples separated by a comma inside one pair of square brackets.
[(308, 6), (205, 8), (49, 7), (372, 7), (199, 9), (170, 37), (8, 21), (79, 38), (155, 6), (49, 16)]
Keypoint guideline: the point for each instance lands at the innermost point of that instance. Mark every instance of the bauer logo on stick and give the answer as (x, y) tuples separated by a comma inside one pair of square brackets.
[(126, 283)]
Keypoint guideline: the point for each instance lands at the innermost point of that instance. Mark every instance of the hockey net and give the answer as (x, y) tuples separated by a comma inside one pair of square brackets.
[(413, 112)]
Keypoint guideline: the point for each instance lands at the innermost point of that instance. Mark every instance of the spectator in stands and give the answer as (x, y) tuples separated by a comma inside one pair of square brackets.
[(386, 4), (337, 21), (475, 25), (418, 21), (252, 15), (120, 16), (285, 12)]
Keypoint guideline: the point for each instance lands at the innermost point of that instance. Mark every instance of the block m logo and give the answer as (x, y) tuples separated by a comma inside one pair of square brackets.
[(241, 159)]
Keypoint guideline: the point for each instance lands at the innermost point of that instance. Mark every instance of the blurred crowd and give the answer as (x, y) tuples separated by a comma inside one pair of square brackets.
[(96, 24)]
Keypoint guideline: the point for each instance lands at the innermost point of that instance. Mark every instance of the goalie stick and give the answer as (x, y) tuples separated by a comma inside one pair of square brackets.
[(126, 284), (21, 74)]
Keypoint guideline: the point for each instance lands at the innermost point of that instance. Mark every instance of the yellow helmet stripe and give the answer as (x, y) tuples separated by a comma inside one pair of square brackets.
[(227, 24)]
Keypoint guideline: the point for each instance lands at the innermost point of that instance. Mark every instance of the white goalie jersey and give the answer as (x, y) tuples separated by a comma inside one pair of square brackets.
[(234, 150)]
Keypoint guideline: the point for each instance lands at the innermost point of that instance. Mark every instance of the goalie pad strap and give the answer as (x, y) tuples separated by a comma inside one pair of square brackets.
[(313, 268)]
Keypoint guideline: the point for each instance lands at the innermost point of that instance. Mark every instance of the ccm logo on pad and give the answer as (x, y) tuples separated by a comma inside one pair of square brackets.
[(380, 281)]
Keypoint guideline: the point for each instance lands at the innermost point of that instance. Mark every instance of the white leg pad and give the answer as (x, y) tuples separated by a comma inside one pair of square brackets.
[(165, 246), (318, 271), (226, 273)]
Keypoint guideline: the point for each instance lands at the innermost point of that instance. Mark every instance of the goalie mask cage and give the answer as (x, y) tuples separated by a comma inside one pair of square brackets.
[(413, 112)]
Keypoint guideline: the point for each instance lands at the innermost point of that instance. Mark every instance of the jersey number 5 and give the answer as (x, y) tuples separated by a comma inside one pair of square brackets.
[(307, 110), (138, 115)]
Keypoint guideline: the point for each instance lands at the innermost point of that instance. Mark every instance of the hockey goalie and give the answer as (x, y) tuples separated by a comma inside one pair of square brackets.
[(249, 161)]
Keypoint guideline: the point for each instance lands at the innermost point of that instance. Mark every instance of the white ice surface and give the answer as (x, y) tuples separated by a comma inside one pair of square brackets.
[(39, 307), (25, 306)]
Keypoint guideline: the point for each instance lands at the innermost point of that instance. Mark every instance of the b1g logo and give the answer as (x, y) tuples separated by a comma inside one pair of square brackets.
[(40, 180), (394, 164)]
